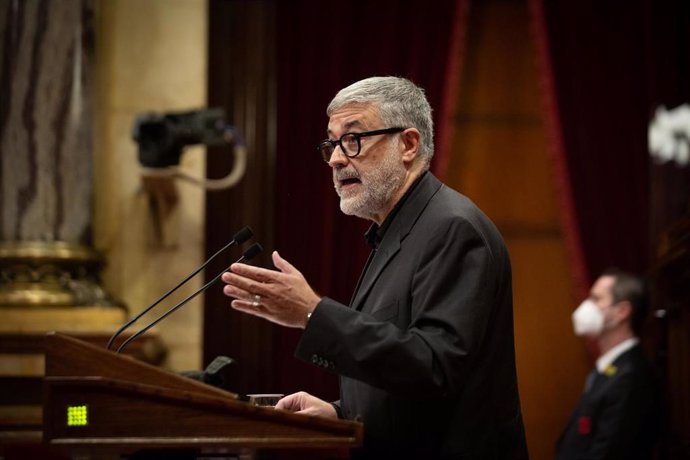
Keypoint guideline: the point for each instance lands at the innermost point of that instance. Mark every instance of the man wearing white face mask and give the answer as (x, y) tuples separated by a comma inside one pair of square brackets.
[(617, 415)]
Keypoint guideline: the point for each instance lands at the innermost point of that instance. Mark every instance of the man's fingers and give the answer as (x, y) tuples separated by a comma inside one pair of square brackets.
[(237, 293), (256, 273), (244, 285), (282, 264), (249, 308), (290, 402)]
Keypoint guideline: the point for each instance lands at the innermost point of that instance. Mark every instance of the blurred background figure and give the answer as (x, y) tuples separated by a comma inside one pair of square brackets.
[(618, 413)]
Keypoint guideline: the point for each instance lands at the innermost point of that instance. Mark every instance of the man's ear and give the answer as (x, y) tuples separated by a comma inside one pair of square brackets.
[(624, 311), (410, 139)]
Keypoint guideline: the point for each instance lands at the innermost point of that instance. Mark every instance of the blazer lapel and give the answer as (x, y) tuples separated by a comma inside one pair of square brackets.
[(389, 247), (400, 227), (361, 277)]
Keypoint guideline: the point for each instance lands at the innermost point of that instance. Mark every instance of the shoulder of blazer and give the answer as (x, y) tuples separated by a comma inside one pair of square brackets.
[(428, 186), (633, 360), (631, 366)]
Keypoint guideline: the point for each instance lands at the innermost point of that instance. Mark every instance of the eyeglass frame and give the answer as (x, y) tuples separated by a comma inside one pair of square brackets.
[(358, 136)]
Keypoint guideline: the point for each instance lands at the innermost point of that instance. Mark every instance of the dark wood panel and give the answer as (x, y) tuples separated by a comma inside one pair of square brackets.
[(242, 80), (20, 391), (671, 296)]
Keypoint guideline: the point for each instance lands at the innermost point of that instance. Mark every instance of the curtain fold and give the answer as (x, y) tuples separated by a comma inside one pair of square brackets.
[(449, 100), (557, 149), (601, 80)]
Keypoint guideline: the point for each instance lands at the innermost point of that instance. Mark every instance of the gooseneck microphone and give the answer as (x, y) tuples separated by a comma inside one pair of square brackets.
[(239, 238), (250, 253)]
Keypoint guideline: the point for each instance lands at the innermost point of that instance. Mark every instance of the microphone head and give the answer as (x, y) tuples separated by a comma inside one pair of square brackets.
[(254, 250), (243, 235)]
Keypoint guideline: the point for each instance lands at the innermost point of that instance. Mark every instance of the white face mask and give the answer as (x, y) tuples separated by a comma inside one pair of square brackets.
[(588, 319)]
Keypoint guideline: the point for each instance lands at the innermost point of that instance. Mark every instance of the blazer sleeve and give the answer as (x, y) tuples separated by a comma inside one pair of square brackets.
[(450, 300)]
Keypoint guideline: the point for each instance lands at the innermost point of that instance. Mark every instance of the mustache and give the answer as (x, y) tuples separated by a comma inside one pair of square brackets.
[(344, 174)]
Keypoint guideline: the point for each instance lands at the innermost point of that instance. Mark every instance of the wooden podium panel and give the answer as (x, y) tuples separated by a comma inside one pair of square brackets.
[(95, 398)]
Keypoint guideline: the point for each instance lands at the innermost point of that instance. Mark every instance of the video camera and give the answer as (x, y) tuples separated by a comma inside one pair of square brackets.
[(161, 138)]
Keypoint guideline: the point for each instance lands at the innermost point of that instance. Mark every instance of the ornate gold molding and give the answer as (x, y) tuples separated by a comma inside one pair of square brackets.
[(51, 274)]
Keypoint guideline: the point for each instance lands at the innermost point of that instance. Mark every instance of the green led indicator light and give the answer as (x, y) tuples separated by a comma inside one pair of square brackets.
[(77, 415)]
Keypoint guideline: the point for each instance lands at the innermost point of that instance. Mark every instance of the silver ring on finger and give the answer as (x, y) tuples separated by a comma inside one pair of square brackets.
[(257, 301)]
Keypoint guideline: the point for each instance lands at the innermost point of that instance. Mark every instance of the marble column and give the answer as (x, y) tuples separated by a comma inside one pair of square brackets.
[(46, 162)]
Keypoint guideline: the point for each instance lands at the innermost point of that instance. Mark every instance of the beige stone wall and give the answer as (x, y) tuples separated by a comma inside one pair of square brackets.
[(151, 56)]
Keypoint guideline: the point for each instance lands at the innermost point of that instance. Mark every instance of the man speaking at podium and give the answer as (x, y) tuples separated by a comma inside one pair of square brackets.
[(425, 351)]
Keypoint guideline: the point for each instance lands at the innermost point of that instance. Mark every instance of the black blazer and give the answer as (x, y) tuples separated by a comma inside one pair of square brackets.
[(425, 352), (618, 417)]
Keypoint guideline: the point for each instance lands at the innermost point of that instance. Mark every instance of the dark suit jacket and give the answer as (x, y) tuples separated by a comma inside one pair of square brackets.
[(425, 352), (618, 417)]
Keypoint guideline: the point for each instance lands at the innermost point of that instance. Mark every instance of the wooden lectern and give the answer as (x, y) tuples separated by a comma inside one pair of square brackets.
[(98, 402)]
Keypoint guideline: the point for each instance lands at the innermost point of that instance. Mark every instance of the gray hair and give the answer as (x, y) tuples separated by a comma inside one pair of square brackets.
[(400, 103)]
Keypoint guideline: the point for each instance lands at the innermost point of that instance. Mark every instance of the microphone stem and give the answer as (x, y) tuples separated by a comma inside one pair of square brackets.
[(165, 296), (173, 309)]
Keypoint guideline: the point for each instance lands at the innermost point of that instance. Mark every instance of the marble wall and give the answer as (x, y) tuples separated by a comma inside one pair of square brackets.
[(151, 56)]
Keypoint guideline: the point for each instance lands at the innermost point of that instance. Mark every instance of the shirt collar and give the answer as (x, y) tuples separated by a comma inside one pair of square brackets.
[(375, 233), (610, 356)]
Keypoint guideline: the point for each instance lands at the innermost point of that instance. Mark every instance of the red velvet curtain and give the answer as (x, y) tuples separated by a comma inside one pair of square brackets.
[(322, 47), (605, 67)]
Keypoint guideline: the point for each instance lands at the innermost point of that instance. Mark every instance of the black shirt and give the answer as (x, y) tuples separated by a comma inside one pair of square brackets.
[(375, 233)]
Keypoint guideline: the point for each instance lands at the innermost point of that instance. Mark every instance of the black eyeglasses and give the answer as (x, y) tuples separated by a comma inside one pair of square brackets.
[(350, 143)]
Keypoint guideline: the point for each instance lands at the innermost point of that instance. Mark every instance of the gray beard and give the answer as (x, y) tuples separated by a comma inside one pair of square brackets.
[(376, 189)]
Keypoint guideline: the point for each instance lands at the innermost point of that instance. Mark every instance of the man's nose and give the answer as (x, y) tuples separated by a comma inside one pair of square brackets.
[(338, 158)]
